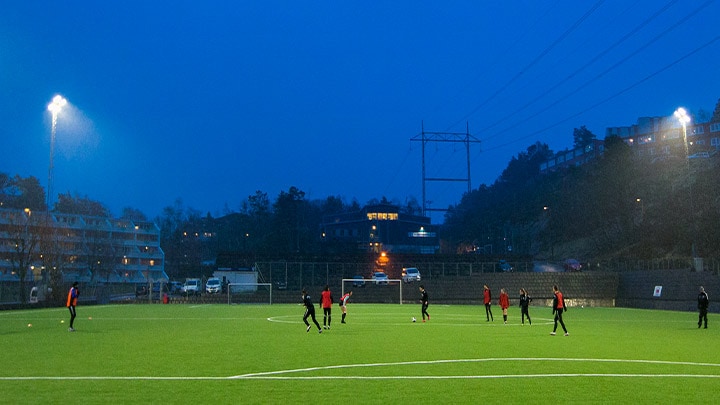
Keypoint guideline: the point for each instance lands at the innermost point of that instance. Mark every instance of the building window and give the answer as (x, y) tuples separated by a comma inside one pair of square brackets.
[(382, 216), (715, 141), (715, 127)]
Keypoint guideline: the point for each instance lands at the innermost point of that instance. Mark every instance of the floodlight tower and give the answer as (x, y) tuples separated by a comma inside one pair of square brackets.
[(57, 103), (683, 117)]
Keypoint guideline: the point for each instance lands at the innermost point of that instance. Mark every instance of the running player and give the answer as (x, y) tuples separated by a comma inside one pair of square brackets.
[(309, 312)]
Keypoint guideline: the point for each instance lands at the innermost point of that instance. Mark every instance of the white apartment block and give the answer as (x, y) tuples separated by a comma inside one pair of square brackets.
[(83, 248)]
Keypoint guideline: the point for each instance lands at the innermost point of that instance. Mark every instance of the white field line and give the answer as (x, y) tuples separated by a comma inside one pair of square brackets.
[(284, 374)]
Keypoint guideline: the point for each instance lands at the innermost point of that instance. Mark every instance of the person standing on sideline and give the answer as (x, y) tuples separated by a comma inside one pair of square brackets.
[(72, 299), (504, 302), (703, 303), (558, 309), (326, 301), (524, 304), (424, 302), (343, 304), (487, 300), (309, 311)]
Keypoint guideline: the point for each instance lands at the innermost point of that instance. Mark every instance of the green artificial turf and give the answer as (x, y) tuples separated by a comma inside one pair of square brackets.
[(262, 354)]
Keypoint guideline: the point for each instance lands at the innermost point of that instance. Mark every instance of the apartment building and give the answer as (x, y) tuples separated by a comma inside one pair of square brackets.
[(82, 248)]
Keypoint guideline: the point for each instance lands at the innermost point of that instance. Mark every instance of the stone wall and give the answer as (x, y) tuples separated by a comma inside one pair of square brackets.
[(679, 289)]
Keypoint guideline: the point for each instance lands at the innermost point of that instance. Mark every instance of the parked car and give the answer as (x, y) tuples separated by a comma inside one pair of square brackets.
[(192, 287), (410, 274), (572, 265), (380, 278), (158, 288), (505, 266), (358, 281), (175, 287), (213, 286)]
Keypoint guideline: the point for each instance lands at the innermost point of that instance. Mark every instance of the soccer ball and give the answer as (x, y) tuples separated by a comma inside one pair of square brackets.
[(413, 319)]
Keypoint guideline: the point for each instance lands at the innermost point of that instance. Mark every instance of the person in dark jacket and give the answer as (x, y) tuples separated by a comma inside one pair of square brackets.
[(524, 304), (424, 303), (703, 303), (72, 300), (487, 300), (309, 311)]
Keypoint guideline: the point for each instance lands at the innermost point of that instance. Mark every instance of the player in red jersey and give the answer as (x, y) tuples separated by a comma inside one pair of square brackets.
[(504, 302), (326, 301), (343, 304), (487, 300), (558, 309)]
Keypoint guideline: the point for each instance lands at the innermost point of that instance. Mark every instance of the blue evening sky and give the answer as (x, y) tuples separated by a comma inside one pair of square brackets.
[(209, 101)]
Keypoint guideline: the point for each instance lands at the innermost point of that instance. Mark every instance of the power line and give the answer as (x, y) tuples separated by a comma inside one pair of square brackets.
[(582, 68), (531, 64), (619, 93)]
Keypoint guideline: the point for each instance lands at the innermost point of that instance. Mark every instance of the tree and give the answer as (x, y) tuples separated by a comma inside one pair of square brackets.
[(20, 193), (133, 214), (582, 137), (716, 113), (289, 227), (68, 204), (23, 233)]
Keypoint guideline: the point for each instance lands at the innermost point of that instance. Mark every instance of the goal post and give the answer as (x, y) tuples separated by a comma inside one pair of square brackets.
[(249, 293), (377, 291)]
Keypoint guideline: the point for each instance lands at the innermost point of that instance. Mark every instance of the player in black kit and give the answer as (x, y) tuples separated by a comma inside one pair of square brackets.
[(424, 302), (309, 311)]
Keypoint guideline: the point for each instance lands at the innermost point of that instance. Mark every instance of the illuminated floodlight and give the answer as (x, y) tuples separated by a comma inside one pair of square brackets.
[(682, 116), (57, 103)]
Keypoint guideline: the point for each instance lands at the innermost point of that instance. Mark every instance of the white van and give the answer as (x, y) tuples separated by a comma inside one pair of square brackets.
[(213, 285), (191, 287)]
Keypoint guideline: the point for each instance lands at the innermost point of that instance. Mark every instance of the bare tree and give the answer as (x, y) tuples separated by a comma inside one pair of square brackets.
[(23, 231)]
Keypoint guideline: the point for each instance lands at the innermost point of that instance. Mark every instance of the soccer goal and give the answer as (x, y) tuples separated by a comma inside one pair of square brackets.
[(388, 291), (249, 293)]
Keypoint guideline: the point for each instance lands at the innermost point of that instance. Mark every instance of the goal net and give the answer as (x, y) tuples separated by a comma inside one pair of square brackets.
[(374, 291), (249, 293)]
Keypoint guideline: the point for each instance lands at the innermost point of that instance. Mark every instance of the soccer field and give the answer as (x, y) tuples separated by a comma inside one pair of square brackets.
[(262, 354)]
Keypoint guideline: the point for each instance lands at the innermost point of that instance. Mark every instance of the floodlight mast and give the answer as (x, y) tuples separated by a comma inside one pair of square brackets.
[(684, 119), (55, 106)]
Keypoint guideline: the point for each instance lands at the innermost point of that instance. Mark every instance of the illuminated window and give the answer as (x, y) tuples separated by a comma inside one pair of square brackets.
[(382, 216)]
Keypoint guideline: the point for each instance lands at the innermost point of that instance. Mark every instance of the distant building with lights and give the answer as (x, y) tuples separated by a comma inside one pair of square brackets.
[(382, 228), (83, 248), (659, 137), (649, 137), (574, 157)]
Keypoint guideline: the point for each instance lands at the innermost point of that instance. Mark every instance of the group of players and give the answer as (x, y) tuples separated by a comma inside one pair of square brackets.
[(558, 306), (326, 301)]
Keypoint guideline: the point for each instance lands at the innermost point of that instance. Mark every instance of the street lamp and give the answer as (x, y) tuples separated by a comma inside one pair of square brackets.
[(683, 117), (57, 103)]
